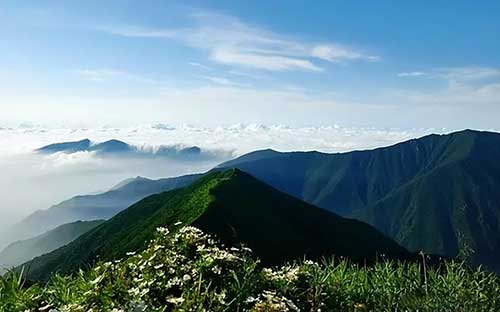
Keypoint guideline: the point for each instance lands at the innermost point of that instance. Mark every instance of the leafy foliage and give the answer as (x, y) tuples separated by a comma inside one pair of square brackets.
[(191, 271)]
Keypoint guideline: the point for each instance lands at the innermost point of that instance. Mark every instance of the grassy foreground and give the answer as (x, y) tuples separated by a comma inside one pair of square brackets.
[(191, 271)]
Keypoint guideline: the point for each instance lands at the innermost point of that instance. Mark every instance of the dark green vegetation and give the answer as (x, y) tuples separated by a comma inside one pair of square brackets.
[(439, 194), (190, 271), (236, 207), (91, 207), (22, 251)]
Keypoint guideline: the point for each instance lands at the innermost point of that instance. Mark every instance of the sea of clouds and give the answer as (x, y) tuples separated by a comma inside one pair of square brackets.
[(31, 181)]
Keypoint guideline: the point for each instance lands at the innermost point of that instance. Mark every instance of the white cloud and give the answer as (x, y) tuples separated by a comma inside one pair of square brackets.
[(230, 41), (466, 74), (412, 74), (239, 137), (249, 75), (202, 66), (475, 91), (262, 61), (61, 160), (336, 53), (106, 74), (457, 74), (52, 178), (141, 32), (224, 81), (99, 75), (471, 97)]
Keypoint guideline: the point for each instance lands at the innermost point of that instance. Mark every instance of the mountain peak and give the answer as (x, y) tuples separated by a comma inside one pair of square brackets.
[(111, 146), (438, 193), (236, 207), (127, 182), (252, 156), (67, 147)]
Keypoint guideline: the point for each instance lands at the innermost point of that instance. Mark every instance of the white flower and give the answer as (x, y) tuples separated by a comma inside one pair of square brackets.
[(250, 299), (309, 262), (163, 230), (217, 270), (175, 300)]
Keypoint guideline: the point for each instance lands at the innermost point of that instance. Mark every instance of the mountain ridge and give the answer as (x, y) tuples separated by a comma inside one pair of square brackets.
[(90, 207), (21, 251), (367, 184), (116, 147), (236, 207)]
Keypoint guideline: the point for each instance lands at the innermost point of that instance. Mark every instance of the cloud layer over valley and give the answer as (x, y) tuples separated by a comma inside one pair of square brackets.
[(32, 181)]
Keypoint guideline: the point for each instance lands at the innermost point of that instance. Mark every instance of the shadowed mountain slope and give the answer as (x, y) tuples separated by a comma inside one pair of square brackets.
[(439, 193)]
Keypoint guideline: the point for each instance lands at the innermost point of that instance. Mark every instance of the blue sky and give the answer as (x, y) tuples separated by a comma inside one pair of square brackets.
[(363, 64)]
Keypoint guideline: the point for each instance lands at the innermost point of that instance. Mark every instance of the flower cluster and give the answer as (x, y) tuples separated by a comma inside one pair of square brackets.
[(270, 301), (188, 270)]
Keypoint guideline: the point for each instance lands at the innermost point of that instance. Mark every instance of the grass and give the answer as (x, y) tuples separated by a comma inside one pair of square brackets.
[(191, 271)]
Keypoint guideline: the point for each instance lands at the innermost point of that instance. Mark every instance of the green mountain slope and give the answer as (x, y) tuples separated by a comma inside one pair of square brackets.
[(455, 207), (236, 207), (439, 193), (25, 250)]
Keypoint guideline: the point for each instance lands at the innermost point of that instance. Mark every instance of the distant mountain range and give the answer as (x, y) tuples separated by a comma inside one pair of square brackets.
[(25, 250), (120, 148), (91, 207), (439, 193), (237, 208), (66, 147)]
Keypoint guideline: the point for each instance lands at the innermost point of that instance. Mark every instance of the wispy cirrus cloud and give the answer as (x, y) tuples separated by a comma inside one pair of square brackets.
[(201, 66), (336, 53), (229, 41), (106, 74), (466, 74), (234, 56), (224, 81), (466, 87), (412, 74), (468, 82), (463, 74), (238, 73), (463, 95), (99, 75)]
